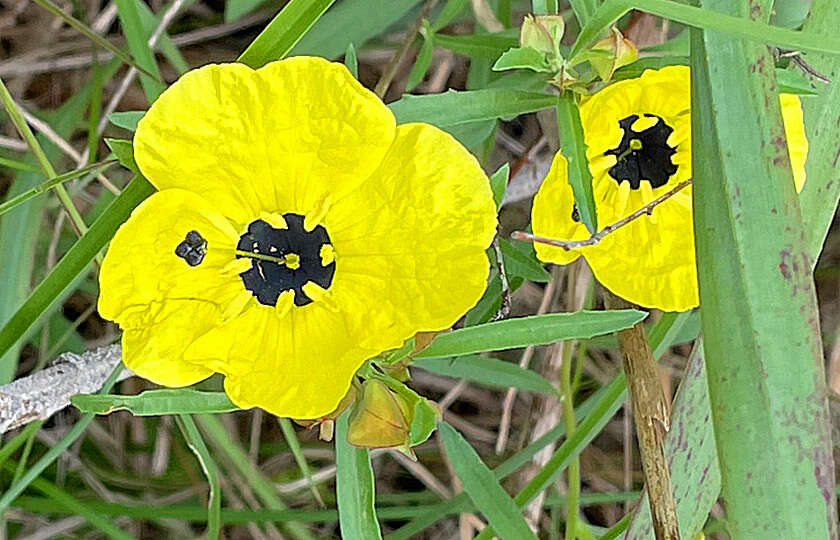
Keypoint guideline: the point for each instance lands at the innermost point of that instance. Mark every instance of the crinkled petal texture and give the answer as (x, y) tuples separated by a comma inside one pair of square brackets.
[(651, 260), (251, 140), (408, 212), (161, 302)]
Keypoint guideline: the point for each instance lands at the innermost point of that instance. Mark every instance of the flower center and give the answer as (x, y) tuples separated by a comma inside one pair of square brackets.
[(285, 259), (643, 155)]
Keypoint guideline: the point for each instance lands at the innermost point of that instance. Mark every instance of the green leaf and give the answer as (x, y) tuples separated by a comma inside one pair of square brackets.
[(18, 165), (489, 46), (126, 119), (351, 22), (124, 152), (284, 31), (499, 183), (574, 149), (483, 489), (354, 487), (451, 10), (522, 58), (156, 402), (490, 372), (460, 107), (521, 260), (534, 330), (765, 364), (137, 39), (211, 470), (423, 61), (424, 414), (236, 9), (612, 10), (73, 263), (818, 200), (351, 61)]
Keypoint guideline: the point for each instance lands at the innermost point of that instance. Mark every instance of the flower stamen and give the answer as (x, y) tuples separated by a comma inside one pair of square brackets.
[(643, 155), (284, 259)]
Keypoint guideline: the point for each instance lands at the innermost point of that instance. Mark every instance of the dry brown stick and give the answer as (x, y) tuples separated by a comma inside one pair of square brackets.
[(399, 56), (652, 419), (600, 235)]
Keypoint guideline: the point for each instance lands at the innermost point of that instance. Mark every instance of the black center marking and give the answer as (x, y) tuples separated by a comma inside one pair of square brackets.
[(192, 249), (266, 279), (649, 158)]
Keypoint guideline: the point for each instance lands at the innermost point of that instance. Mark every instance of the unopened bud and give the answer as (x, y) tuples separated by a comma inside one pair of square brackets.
[(380, 419), (543, 33), (611, 53)]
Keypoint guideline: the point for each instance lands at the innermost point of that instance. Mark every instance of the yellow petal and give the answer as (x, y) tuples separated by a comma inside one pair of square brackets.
[(299, 366), (552, 215), (795, 135), (412, 239), (276, 138), (141, 266), (155, 337)]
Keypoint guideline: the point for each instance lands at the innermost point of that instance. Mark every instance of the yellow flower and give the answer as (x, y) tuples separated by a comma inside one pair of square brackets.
[(638, 137), (297, 232)]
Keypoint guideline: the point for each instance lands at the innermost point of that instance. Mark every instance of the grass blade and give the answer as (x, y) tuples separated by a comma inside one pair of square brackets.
[(156, 402), (481, 486), (60, 497), (294, 445), (18, 165), (354, 489), (20, 198), (73, 263), (93, 36), (751, 260), (52, 454), (136, 37), (284, 31), (533, 330), (214, 503), (239, 460)]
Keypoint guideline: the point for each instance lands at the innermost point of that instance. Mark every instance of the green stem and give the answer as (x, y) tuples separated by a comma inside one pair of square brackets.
[(214, 504), (573, 495)]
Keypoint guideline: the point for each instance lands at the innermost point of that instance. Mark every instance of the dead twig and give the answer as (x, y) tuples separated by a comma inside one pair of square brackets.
[(600, 235), (39, 396), (652, 418)]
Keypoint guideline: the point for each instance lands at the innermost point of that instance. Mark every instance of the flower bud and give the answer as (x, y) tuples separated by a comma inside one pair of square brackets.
[(611, 53), (543, 33), (380, 419)]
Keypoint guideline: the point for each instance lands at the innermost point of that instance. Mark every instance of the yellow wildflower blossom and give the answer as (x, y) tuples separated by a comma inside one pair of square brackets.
[(297, 232), (638, 137)]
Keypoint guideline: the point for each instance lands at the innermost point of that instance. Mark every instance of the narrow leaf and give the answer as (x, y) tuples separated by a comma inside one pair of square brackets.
[(137, 39), (574, 149), (156, 402), (284, 31), (484, 490), (460, 107), (487, 46), (124, 152), (490, 372), (211, 470), (354, 487), (126, 119), (534, 330), (499, 184)]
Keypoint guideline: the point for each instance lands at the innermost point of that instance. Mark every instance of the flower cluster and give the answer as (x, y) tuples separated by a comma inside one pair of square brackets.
[(297, 232), (638, 138)]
